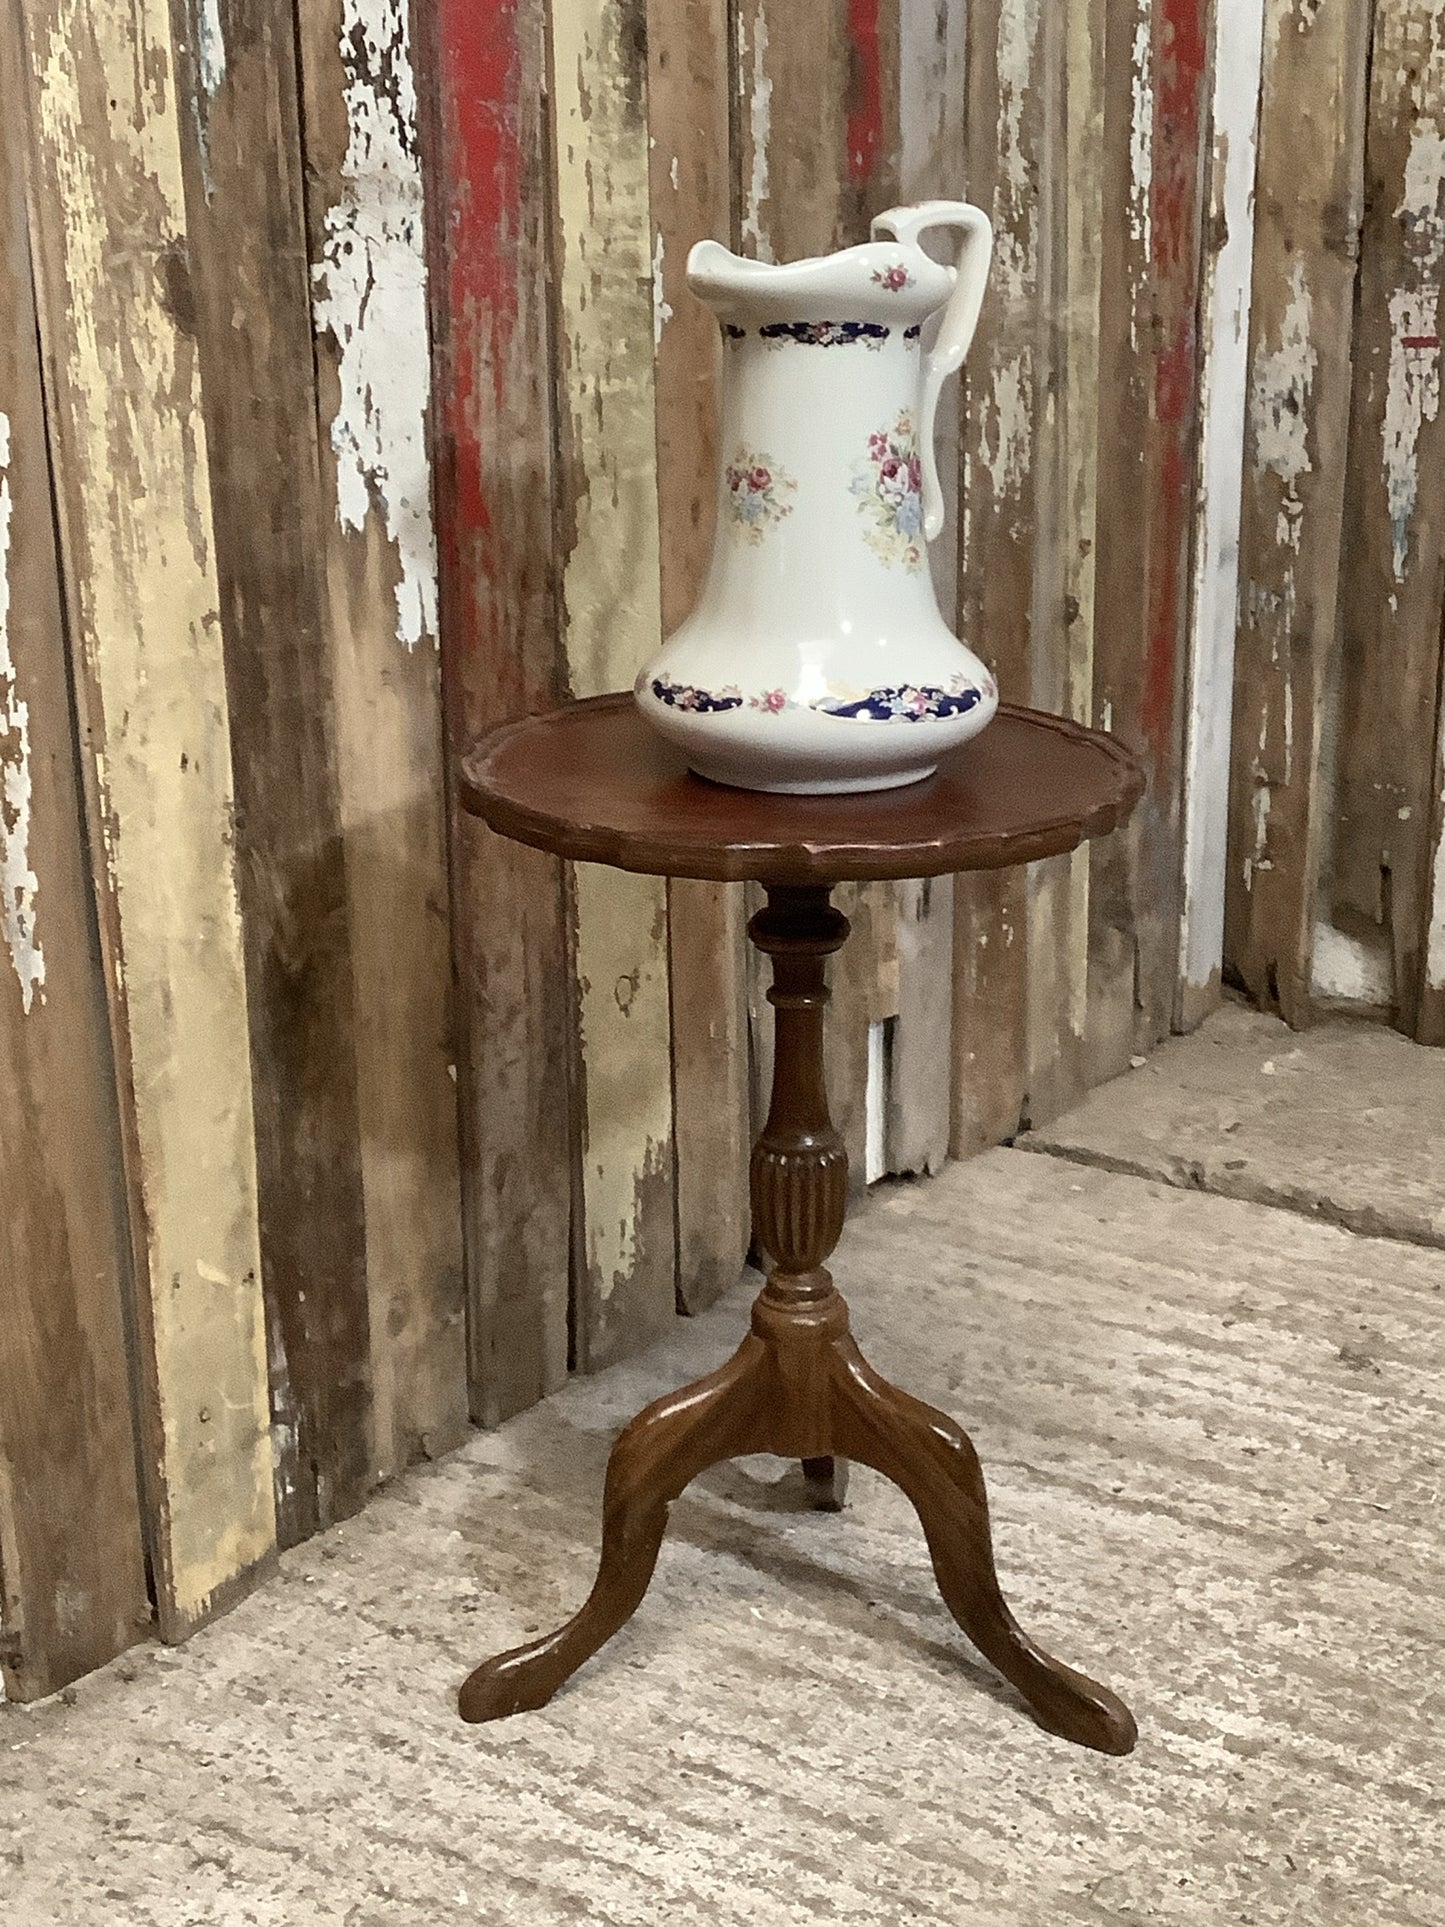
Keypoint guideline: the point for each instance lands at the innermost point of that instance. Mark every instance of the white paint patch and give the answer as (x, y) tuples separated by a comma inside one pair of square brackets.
[(661, 306), (371, 293), (210, 46), (1238, 58), (760, 124), (1412, 397), (875, 1132), (1006, 439), (1141, 162), (1279, 404), (1435, 937), (1347, 971), (18, 882)]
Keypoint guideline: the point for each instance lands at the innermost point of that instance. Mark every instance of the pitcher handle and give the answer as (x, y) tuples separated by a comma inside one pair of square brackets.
[(960, 318)]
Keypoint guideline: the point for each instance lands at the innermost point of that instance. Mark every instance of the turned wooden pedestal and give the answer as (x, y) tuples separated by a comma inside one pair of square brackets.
[(590, 781)]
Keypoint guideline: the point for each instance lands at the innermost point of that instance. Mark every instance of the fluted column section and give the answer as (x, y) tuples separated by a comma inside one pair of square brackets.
[(799, 1166)]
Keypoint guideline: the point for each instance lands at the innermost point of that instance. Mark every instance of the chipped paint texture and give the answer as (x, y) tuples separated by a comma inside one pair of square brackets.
[(1279, 404), (1413, 394), (1435, 937), (371, 293), (1005, 428), (1238, 54), (17, 880), (612, 594), (753, 62), (145, 618), (661, 306), (1141, 164)]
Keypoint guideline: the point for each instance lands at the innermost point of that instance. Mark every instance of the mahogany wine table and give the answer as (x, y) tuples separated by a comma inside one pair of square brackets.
[(591, 781)]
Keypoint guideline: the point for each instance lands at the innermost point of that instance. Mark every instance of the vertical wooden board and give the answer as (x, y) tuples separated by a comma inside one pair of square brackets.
[(246, 246), (932, 64), (1308, 208), (1065, 484), (1006, 110), (689, 115), (489, 193), (1393, 581), (1155, 137), (72, 1566), (1238, 46), (1059, 957), (1431, 1024), (817, 156), (611, 586), (369, 312), (116, 320)]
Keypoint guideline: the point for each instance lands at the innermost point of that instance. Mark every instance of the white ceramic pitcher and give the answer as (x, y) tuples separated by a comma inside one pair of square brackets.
[(816, 659)]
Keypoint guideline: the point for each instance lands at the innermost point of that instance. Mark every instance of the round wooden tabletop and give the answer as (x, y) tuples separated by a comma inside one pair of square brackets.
[(592, 781)]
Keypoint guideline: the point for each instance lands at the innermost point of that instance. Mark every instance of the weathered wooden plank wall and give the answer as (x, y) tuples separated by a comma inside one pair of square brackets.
[(391, 1119), (72, 1570)]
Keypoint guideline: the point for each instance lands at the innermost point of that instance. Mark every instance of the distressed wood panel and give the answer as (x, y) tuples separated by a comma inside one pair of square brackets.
[(1224, 388), (689, 102), (369, 310), (491, 173), (1307, 218), (1006, 382), (72, 1567), (626, 1243), (1375, 890), (1065, 470), (1155, 161), (932, 65), (117, 316), (246, 245)]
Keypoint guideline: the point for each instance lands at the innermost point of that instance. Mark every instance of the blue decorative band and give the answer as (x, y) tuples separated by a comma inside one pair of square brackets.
[(819, 334)]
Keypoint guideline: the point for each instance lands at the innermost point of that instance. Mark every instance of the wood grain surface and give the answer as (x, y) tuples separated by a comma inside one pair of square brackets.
[(246, 245), (117, 316), (365, 218), (499, 585), (1308, 209), (691, 192), (595, 783), (72, 1545)]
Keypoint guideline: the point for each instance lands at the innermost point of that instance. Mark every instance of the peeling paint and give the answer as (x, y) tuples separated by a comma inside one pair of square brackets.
[(1005, 426), (1435, 938), (661, 306), (144, 613), (210, 46), (1279, 405), (613, 615), (760, 128), (371, 295), (18, 881), (1413, 391), (1141, 160)]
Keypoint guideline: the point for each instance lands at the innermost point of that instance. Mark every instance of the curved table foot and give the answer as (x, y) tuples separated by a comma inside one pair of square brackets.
[(661, 1451), (934, 1463)]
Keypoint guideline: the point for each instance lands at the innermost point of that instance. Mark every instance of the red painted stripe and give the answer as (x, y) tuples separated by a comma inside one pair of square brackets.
[(1419, 341), (865, 100), (481, 168)]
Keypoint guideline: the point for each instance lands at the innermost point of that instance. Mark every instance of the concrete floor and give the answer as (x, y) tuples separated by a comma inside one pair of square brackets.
[(1214, 1430)]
